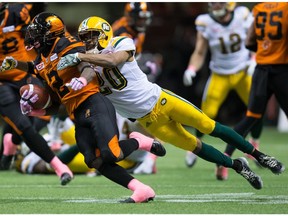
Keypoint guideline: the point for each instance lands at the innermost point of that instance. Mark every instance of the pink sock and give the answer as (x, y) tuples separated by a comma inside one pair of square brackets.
[(9, 147), (145, 142), (59, 167), (141, 192)]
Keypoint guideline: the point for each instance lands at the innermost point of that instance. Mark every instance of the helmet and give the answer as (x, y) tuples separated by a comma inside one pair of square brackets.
[(139, 15), (43, 30), (95, 32), (220, 9), (3, 7)]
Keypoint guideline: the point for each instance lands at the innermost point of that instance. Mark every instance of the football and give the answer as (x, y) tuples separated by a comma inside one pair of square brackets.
[(44, 100)]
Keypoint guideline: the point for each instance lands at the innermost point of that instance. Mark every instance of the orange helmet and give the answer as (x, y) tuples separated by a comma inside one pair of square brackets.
[(139, 15), (43, 30)]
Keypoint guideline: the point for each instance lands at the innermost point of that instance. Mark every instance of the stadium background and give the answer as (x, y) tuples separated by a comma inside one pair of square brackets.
[(172, 34)]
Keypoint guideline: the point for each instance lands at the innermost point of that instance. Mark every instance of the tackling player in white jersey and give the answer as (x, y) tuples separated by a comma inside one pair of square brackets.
[(222, 31), (160, 112)]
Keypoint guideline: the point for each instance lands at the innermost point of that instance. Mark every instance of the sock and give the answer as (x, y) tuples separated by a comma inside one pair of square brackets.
[(230, 136), (9, 147), (213, 155), (59, 167), (145, 142), (116, 173), (128, 146)]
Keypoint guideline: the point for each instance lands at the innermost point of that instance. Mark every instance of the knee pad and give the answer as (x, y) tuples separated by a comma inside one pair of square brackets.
[(206, 126)]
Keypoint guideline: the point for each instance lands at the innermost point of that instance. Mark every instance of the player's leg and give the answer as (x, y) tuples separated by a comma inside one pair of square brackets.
[(215, 93), (243, 90), (100, 125), (11, 113)]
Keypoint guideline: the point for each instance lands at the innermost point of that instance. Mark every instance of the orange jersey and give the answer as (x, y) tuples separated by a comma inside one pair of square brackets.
[(46, 68), (16, 17), (271, 28), (121, 28)]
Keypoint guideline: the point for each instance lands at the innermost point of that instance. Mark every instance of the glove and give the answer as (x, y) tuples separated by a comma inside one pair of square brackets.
[(9, 63), (27, 100), (188, 76), (77, 83), (68, 61)]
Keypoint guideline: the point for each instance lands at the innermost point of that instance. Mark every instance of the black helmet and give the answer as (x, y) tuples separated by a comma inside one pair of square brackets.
[(43, 30)]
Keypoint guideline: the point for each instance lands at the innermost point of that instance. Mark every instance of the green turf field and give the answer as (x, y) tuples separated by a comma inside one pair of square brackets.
[(179, 190)]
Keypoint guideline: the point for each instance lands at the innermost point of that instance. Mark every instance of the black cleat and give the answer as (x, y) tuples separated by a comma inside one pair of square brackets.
[(6, 162), (271, 163), (249, 175), (158, 149), (130, 200), (65, 178)]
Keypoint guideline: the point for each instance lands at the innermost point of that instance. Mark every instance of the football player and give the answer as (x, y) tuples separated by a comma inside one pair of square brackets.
[(222, 31), (137, 17), (162, 113), (14, 19), (96, 129), (267, 36)]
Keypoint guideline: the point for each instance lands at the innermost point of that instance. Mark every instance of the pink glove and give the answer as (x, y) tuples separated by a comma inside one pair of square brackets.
[(77, 83), (26, 100)]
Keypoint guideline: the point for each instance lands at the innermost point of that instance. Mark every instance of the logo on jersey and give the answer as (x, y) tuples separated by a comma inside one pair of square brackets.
[(53, 57), (40, 66), (105, 27)]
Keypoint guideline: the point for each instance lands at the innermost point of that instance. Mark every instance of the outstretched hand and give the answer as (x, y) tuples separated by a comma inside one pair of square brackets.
[(68, 61)]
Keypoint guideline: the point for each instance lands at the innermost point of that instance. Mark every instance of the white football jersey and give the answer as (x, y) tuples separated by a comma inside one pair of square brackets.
[(227, 41), (126, 85)]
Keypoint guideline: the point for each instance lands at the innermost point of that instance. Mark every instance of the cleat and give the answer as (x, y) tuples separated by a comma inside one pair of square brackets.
[(190, 159), (130, 200), (249, 175), (148, 144), (158, 149), (6, 162), (65, 178), (221, 173), (271, 163)]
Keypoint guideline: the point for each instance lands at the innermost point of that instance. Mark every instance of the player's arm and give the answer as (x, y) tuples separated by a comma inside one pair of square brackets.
[(109, 60), (197, 59), (10, 63), (198, 56), (251, 42)]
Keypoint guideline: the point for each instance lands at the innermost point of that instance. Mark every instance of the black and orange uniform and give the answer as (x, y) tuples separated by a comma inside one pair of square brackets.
[(14, 22), (96, 128), (121, 28), (271, 73)]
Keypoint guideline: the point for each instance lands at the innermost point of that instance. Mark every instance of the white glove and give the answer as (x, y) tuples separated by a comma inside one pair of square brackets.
[(68, 61), (251, 67), (77, 83), (9, 63), (27, 100), (188, 76)]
